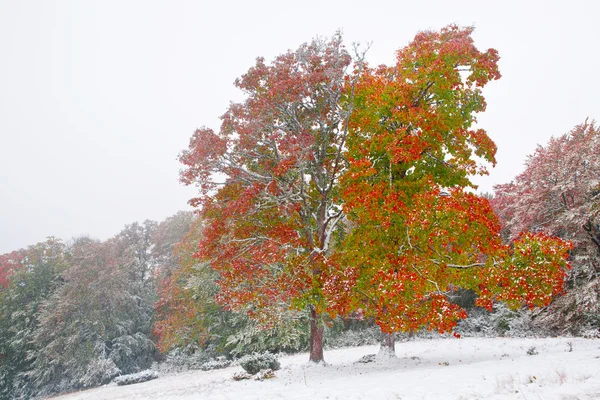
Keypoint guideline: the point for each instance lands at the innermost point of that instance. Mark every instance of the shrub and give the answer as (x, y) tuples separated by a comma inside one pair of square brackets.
[(254, 363), (351, 333), (288, 335), (532, 351), (136, 378), (219, 363), (98, 372), (502, 321), (182, 359)]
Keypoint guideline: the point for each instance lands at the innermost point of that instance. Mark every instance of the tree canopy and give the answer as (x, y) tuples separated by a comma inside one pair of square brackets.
[(271, 222), (336, 186), (558, 192)]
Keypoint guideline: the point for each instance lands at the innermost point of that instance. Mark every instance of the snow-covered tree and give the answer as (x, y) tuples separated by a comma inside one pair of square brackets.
[(558, 193), (166, 236), (35, 274), (9, 264), (269, 228), (95, 326), (76, 315), (320, 152), (186, 308), (188, 315)]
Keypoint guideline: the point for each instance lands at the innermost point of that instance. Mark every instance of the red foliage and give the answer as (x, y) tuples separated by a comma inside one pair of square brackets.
[(558, 192), (9, 263), (329, 195), (183, 312), (411, 245), (270, 218)]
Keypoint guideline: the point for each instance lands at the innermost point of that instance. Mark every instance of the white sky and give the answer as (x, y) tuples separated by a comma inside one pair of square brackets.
[(97, 98)]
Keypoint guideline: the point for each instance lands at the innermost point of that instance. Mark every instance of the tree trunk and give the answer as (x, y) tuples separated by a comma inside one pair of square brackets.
[(594, 233), (316, 337), (387, 345)]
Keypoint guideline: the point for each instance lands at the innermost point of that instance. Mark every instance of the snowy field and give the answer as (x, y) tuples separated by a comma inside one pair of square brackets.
[(468, 368)]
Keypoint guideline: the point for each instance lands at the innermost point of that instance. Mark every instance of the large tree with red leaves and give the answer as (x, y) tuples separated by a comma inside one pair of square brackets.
[(268, 183), (411, 244), (321, 191)]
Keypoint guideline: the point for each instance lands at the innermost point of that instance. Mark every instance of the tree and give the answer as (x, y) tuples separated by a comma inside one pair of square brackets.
[(412, 136), (324, 166), (558, 194), (9, 264), (271, 222), (412, 245), (133, 249), (70, 335), (96, 325), (35, 275), (188, 316), (165, 237), (75, 315)]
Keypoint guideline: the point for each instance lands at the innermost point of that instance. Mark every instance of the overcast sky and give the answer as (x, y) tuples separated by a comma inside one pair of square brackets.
[(97, 98)]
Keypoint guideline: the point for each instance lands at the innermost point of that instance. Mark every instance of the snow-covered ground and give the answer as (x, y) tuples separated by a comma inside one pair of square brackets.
[(468, 368)]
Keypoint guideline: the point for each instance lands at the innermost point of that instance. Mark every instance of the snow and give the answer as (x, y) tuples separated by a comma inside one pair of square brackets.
[(467, 368)]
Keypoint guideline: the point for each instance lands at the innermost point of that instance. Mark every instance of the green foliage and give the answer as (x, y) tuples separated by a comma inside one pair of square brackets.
[(96, 324), (464, 298), (502, 326), (20, 303), (289, 335), (136, 378), (254, 363), (350, 333)]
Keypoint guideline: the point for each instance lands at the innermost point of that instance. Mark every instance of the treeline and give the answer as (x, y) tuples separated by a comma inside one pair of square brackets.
[(77, 314), (558, 193)]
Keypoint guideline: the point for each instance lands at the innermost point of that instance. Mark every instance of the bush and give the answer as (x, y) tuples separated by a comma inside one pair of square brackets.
[(143, 376), (500, 322), (98, 372), (183, 359), (464, 298), (352, 337), (350, 332), (288, 335), (502, 326), (576, 312), (132, 353), (254, 363), (219, 363)]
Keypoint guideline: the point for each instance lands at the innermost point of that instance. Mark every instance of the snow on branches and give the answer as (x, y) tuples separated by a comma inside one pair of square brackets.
[(558, 192)]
